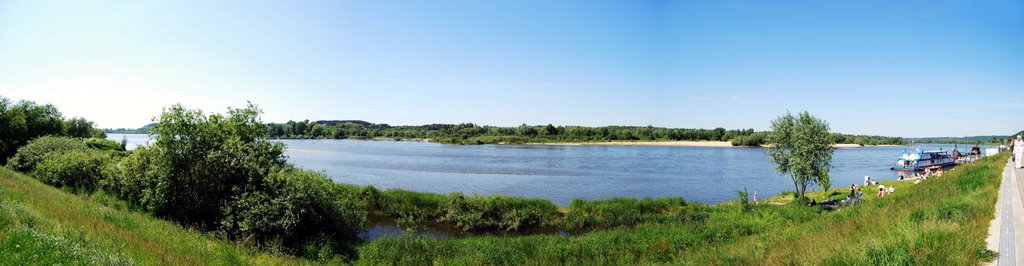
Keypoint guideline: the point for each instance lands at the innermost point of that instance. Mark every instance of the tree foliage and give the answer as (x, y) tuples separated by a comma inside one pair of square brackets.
[(220, 172), (469, 133), (209, 158), (30, 155), (294, 207), (24, 121), (801, 146), (79, 169)]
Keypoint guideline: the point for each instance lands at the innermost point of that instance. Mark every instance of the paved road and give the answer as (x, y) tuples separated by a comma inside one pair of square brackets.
[(1007, 247), (1008, 226)]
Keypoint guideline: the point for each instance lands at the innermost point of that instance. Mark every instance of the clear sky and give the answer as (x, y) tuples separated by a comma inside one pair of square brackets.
[(906, 68)]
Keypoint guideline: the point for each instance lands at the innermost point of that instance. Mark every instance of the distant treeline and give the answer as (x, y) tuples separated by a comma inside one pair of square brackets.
[(142, 130), (965, 140), (468, 133)]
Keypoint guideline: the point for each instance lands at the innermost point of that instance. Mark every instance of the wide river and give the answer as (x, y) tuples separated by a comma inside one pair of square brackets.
[(560, 173)]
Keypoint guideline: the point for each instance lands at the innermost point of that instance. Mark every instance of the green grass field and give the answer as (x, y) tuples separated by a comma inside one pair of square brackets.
[(43, 225)]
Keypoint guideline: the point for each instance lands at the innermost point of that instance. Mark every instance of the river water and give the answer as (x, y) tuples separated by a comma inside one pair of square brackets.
[(560, 173)]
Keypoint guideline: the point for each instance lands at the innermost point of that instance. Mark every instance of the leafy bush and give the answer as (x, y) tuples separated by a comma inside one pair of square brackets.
[(293, 207), (744, 199), (220, 172), (79, 128), (205, 160), (103, 144), (74, 169), (425, 205), (752, 140), (621, 211), (498, 212), (136, 178), (34, 152)]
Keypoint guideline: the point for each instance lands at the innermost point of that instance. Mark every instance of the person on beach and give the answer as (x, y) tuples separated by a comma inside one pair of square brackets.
[(881, 190), (859, 194), (755, 197), (867, 179), (1018, 151), (891, 190)]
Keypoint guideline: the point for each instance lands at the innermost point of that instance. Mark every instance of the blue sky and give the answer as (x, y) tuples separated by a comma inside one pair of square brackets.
[(906, 68)]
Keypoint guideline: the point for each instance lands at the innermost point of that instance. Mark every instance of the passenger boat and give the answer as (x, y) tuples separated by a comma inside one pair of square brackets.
[(921, 160)]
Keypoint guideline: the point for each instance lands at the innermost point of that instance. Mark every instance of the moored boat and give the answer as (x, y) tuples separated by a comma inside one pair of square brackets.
[(921, 160)]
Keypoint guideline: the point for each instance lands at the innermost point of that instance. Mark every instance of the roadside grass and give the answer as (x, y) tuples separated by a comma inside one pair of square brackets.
[(940, 221), (40, 224)]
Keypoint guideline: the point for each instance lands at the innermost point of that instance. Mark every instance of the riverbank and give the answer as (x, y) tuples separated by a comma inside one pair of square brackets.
[(940, 221)]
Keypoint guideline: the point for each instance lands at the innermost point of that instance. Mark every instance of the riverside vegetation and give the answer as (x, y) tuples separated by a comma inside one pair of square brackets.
[(228, 197), (468, 133)]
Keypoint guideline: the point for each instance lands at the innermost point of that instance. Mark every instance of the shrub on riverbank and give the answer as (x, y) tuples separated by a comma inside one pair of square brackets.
[(296, 207), (36, 150), (753, 140), (72, 169), (469, 213), (621, 211), (103, 144), (219, 172), (474, 213), (211, 172)]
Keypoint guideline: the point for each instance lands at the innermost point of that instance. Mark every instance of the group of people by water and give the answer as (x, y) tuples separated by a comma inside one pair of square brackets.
[(857, 192)]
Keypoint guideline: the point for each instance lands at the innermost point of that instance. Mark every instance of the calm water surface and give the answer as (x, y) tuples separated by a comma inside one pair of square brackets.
[(134, 140), (560, 173)]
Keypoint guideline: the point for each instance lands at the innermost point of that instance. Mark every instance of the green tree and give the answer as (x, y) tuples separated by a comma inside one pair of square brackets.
[(24, 121), (208, 158), (79, 128), (801, 146)]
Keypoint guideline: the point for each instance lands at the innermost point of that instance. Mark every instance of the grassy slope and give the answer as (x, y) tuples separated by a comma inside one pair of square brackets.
[(941, 221), (40, 224)]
